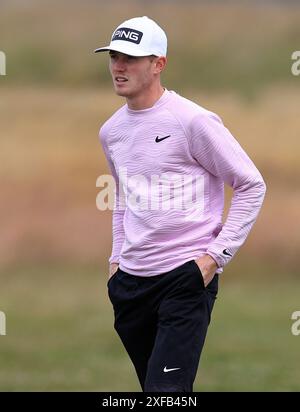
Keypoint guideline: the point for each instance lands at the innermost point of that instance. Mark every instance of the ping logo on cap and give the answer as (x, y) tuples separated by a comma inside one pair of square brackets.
[(123, 33)]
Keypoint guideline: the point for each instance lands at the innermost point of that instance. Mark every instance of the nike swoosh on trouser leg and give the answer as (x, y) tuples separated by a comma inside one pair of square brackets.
[(170, 370)]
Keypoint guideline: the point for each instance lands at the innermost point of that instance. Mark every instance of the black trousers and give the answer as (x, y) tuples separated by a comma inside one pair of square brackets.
[(162, 321)]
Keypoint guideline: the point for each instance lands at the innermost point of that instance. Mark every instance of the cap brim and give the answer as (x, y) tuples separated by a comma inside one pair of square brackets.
[(101, 49), (126, 49)]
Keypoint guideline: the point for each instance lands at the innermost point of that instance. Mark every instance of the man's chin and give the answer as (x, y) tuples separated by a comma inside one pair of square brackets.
[(122, 89), (122, 93)]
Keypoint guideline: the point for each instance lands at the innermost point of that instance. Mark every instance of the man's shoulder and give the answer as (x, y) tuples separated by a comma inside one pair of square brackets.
[(186, 109)]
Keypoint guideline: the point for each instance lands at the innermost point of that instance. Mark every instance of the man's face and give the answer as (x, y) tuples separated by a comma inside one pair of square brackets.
[(131, 75)]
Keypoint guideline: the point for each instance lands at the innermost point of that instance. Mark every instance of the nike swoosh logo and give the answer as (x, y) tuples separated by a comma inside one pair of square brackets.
[(170, 370), (159, 139), (226, 252)]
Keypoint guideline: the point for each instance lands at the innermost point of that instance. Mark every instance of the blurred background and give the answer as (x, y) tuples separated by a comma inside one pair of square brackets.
[(233, 58)]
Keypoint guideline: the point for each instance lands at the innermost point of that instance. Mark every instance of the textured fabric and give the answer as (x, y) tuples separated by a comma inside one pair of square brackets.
[(177, 144), (162, 322)]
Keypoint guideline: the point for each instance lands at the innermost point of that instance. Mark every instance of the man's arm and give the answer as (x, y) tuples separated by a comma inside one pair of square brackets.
[(118, 234), (217, 151)]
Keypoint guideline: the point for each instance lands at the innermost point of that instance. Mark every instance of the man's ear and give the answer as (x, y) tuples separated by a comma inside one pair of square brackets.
[(160, 64)]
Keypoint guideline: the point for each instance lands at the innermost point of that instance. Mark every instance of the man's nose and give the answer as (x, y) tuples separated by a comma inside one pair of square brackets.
[(119, 65)]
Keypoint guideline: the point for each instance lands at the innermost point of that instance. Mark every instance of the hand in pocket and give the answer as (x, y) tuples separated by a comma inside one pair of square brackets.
[(207, 267)]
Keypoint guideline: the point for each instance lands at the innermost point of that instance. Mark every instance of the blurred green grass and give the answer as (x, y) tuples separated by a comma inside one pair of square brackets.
[(60, 334), (225, 47)]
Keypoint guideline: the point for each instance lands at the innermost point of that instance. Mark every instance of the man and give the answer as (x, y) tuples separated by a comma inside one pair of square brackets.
[(170, 159)]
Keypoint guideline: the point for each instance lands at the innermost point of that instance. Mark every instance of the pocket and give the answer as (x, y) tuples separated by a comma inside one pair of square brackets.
[(212, 287), (199, 274), (111, 278)]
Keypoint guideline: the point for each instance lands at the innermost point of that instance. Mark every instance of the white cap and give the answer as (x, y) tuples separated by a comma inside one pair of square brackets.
[(139, 36)]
